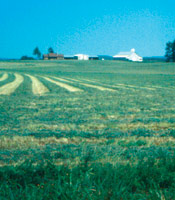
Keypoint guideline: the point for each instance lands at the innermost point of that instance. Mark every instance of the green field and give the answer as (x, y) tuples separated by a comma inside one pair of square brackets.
[(87, 130)]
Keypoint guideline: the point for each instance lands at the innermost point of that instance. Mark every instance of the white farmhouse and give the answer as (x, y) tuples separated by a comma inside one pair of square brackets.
[(81, 57), (129, 56)]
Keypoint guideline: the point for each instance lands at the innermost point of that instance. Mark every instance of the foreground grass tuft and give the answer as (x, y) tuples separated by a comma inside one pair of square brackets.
[(148, 179)]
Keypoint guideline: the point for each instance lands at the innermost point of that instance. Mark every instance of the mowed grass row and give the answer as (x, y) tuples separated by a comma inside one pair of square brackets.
[(37, 85), (92, 144), (38, 88)]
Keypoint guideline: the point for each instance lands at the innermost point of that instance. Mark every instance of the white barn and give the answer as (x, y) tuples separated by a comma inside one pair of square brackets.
[(81, 57), (129, 56)]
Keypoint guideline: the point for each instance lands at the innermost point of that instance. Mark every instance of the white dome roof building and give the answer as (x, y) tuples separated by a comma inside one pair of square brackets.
[(128, 56)]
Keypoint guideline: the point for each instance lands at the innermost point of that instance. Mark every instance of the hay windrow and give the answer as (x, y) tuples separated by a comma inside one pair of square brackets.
[(37, 87), (134, 86), (4, 77), (61, 79), (63, 85), (106, 85), (97, 87), (9, 88), (94, 86)]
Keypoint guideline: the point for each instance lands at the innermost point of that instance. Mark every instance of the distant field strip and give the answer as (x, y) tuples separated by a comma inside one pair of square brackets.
[(121, 86), (37, 87), (160, 87), (93, 86), (11, 87), (4, 77), (92, 81), (61, 79), (63, 85), (113, 86), (133, 86)]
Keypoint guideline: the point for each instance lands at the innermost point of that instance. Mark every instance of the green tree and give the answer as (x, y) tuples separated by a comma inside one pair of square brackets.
[(50, 50), (173, 51), (170, 51), (37, 52)]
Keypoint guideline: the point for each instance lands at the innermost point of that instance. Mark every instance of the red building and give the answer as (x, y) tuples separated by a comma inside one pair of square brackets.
[(53, 56)]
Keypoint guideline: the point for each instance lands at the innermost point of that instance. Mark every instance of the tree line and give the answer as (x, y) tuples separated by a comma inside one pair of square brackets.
[(37, 53)]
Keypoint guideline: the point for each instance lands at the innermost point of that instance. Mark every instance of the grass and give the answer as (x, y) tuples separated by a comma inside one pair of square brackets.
[(92, 144), (89, 181)]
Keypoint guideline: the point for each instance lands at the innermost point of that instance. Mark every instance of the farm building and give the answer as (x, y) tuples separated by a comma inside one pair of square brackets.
[(53, 56), (81, 57), (105, 57), (128, 56), (93, 57), (69, 57)]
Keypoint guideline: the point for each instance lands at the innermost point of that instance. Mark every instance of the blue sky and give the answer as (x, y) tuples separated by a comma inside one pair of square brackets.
[(90, 27)]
